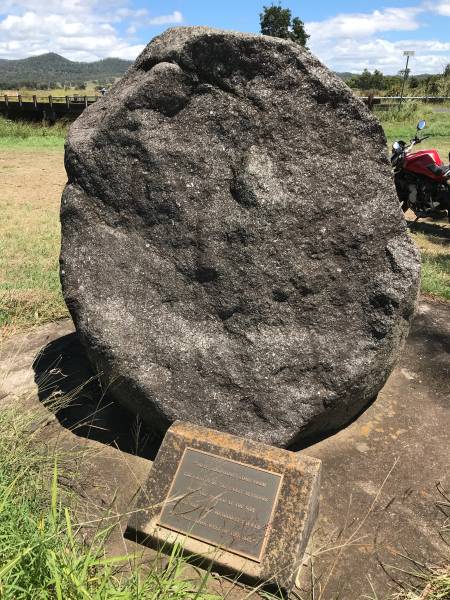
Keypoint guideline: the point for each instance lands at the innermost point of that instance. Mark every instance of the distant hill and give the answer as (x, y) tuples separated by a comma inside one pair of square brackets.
[(345, 75), (53, 70)]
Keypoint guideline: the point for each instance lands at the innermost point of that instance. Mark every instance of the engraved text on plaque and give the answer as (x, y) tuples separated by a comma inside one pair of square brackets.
[(222, 502)]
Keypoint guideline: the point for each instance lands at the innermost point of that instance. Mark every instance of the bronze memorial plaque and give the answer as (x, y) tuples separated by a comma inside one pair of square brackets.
[(244, 507), (222, 502)]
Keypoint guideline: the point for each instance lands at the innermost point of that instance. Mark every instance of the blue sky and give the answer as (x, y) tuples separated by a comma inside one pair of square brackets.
[(346, 36)]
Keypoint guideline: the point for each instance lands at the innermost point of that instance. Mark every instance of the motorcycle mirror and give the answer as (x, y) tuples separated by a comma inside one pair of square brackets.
[(421, 125), (396, 147)]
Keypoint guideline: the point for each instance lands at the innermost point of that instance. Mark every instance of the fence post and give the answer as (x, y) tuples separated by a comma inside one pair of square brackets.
[(6, 100), (34, 100), (50, 101), (85, 102), (19, 97), (67, 103)]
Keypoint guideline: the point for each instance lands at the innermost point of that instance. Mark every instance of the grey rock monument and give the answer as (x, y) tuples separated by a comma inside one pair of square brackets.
[(233, 252)]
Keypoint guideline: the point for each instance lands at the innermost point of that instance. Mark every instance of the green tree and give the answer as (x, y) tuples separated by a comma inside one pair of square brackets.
[(431, 85), (365, 80), (402, 73), (378, 80), (278, 22), (447, 70), (368, 81)]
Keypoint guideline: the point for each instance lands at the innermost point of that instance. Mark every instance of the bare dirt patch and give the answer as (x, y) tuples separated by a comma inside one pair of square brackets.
[(30, 192), (32, 176)]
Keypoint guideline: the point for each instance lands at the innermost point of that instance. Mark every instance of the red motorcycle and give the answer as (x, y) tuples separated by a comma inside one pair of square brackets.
[(421, 178)]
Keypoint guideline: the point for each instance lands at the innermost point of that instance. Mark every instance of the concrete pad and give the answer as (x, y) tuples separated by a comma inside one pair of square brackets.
[(380, 474)]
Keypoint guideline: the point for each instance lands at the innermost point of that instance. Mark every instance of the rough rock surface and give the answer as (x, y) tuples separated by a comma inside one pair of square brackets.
[(233, 251)]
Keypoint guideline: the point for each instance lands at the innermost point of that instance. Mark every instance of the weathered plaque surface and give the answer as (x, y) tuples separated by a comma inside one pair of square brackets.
[(247, 507), (222, 502)]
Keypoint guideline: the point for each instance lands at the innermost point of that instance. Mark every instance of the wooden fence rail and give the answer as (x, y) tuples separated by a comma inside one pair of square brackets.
[(44, 107), (387, 101), (427, 98), (54, 107)]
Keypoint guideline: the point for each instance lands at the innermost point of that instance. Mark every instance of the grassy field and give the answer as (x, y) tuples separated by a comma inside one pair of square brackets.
[(434, 244), (20, 134), (401, 125), (31, 185), (433, 239), (57, 92)]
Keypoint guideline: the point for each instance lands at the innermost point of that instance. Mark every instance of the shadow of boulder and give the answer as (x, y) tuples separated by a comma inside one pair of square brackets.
[(68, 386), (71, 389), (440, 233)]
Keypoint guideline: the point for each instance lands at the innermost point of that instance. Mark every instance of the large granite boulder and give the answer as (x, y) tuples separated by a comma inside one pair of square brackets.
[(233, 252)]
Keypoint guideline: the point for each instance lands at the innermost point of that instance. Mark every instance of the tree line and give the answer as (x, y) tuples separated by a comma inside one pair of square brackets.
[(390, 85)]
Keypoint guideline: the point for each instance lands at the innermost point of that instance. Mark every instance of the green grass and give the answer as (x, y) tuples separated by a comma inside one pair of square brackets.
[(437, 587), (22, 134), (435, 264), (33, 143), (29, 226), (30, 291), (29, 281), (401, 124), (436, 275), (42, 556)]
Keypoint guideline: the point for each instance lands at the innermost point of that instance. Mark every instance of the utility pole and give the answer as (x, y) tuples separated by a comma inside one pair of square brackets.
[(406, 53)]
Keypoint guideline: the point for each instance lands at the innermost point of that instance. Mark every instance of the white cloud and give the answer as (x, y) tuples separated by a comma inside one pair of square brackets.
[(174, 18), (145, 20), (77, 29), (71, 7), (377, 53), (353, 42), (360, 25), (441, 8), (124, 13), (33, 25)]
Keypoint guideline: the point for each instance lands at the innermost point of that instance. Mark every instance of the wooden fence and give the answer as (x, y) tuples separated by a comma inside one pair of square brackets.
[(388, 101), (44, 107), (52, 108)]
